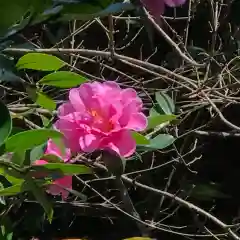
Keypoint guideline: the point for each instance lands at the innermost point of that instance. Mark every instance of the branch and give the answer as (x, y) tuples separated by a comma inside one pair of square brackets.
[(185, 204)]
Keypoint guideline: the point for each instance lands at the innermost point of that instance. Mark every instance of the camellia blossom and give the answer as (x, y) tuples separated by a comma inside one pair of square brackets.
[(66, 181), (101, 116), (157, 7)]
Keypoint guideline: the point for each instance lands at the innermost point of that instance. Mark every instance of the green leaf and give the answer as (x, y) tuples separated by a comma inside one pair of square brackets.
[(154, 121), (18, 157), (165, 103), (63, 79), (40, 61), (6, 232), (40, 196), (161, 141), (51, 158), (11, 191), (31, 138), (13, 180), (46, 102), (66, 169), (45, 120), (11, 12), (140, 139), (37, 152), (5, 123)]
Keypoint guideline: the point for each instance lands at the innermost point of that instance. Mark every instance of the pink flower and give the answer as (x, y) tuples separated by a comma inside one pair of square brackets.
[(157, 7), (101, 116), (66, 181)]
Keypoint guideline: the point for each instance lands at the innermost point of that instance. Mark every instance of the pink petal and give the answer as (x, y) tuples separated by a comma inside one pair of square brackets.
[(174, 3), (128, 112), (129, 93), (53, 149), (58, 186), (89, 142), (113, 85), (122, 143), (76, 100), (137, 122), (40, 162), (65, 109), (71, 132)]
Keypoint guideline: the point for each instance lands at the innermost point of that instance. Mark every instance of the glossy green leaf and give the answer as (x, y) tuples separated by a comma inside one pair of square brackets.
[(5, 123), (40, 196), (45, 120), (45, 101), (31, 138), (11, 191), (37, 152), (51, 158), (66, 169), (18, 157), (161, 141), (154, 121), (40, 61), (165, 103), (13, 180), (63, 79), (140, 139)]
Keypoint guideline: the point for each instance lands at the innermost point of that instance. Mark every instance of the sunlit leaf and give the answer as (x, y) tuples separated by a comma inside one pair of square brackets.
[(11, 191), (31, 138), (140, 139), (154, 121), (66, 169), (40, 61), (161, 141), (63, 79), (45, 101)]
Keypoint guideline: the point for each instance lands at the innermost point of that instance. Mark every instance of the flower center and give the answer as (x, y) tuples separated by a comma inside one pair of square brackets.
[(106, 125)]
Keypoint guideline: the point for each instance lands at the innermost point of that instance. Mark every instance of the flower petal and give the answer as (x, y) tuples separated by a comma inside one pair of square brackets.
[(58, 186), (89, 142), (122, 143), (76, 100), (65, 109), (71, 133), (137, 122), (53, 149)]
